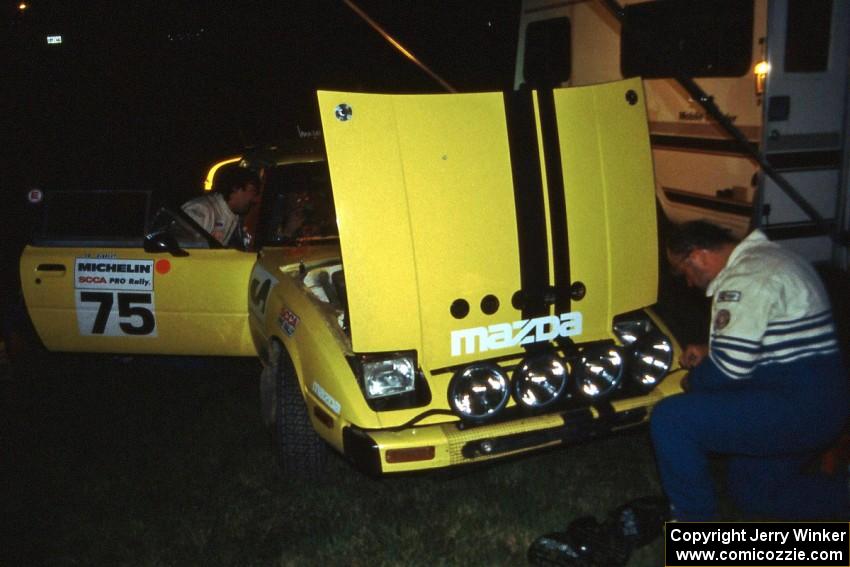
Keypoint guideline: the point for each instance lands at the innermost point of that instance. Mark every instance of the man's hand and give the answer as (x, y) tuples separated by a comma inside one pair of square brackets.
[(693, 355)]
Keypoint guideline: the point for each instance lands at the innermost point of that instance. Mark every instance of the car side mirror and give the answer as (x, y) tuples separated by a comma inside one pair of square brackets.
[(160, 242)]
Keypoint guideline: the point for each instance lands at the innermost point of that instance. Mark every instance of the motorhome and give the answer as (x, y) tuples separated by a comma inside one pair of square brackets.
[(775, 69)]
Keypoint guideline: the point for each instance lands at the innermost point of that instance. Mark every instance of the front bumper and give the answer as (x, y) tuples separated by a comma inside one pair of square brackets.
[(453, 444)]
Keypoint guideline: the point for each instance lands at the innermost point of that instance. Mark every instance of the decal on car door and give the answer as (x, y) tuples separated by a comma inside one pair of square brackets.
[(262, 282), (114, 297)]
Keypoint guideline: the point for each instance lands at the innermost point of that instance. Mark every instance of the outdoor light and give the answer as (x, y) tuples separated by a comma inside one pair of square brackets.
[(539, 381), (388, 377), (479, 392), (599, 371), (761, 70), (650, 360)]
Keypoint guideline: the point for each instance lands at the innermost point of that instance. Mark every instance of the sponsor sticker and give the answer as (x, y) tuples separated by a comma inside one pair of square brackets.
[(114, 297), (288, 321), (35, 196), (729, 296), (322, 394), (113, 273)]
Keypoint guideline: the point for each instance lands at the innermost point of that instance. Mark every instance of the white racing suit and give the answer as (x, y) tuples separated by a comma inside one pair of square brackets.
[(212, 213), (770, 395)]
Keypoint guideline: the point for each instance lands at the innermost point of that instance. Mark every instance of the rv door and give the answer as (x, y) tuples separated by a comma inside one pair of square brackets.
[(806, 98)]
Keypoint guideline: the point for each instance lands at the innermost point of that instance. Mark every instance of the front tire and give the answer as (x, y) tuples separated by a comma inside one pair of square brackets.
[(300, 450)]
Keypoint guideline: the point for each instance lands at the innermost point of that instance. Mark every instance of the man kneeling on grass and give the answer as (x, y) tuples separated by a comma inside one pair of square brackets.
[(769, 391)]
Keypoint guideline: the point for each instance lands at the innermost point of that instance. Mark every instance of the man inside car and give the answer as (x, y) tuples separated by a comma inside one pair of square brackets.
[(221, 212)]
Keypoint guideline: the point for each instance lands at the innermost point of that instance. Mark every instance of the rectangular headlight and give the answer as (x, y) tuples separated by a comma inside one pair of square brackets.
[(389, 376)]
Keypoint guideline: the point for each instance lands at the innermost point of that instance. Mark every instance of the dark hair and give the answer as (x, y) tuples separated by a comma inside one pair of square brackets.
[(698, 234), (236, 178)]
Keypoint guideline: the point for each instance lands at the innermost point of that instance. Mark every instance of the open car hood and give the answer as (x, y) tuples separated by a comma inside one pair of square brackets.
[(474, 226)]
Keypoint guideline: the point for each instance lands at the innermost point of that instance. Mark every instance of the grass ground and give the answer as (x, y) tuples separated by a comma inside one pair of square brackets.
[(139, 461), (150, 462)]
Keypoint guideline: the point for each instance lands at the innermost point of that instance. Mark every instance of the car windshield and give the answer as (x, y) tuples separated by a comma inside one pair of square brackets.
[(298, 205)]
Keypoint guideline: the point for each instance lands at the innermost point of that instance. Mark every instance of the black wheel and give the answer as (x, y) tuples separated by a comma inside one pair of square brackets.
[(300, 450)]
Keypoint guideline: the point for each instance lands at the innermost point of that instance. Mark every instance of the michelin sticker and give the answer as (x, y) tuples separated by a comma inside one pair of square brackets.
[(114, 297), (522, 332)]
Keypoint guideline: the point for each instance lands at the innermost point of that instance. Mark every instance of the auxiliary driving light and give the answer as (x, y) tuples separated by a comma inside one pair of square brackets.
[(540, 381), (631, 329), (651, 359), (479, 392), (599, 371)]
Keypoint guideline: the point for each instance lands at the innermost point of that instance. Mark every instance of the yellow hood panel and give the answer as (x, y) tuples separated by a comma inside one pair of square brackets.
[(610, 196), (424, 193)]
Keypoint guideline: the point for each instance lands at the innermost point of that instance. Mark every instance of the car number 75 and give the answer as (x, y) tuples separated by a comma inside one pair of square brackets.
[(116, 313)]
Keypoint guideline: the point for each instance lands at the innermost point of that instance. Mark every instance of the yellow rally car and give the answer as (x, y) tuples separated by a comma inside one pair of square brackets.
[(476, 286)]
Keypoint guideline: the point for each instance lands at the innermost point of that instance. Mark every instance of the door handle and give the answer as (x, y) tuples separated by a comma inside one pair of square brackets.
[(50, 270)]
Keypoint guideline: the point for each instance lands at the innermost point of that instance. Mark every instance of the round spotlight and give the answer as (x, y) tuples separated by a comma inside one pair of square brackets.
[(540, 381), (651, 359), (479, 392), (599, 371)]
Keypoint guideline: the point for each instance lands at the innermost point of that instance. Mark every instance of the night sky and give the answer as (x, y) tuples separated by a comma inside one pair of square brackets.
[(146, 94)]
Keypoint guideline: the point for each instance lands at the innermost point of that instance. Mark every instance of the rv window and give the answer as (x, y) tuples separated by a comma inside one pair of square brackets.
[(807, 36), (547, 53), (687, 38)]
